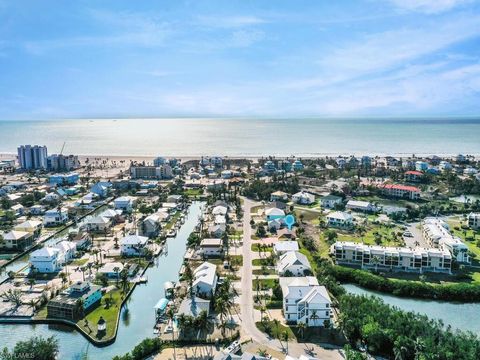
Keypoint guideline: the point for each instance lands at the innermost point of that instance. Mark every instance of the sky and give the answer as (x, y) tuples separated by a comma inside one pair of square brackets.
[(240, 58)]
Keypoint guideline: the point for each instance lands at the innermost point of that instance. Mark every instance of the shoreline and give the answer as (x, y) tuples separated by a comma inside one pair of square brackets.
[(184, 158)]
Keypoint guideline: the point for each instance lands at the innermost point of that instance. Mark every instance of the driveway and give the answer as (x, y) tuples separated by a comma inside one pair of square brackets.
[(247, 318)]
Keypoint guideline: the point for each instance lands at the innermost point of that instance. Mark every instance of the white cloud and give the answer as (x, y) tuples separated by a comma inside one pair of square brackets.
[(229, 21), (429, 6)]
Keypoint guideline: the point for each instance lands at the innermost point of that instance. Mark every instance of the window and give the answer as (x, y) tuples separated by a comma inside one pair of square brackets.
[(327, 313)]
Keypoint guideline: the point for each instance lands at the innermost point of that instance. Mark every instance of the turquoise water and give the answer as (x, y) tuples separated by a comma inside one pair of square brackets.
[(136, 324), (246, 137), (460, 316)]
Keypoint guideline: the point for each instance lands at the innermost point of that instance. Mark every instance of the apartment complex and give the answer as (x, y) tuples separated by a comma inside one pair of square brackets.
[(474, 221), (32, 157), (401, 191), (151, 172), (395, 258), (437, 233)]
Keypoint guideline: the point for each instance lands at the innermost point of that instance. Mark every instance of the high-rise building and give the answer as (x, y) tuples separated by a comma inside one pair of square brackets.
[(32, 157), (63, 162)]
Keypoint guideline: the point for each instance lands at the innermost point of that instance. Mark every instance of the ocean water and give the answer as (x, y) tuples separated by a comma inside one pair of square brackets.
[(246, 137)]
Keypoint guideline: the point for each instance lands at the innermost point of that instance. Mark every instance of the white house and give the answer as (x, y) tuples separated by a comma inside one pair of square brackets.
[(31, 226), (220, 210), (45, 260), (278, 196), (151, 225), (474, 220), (274, 213), (99, 224), (358, 205), (55, 217), (133, 245), (16, 240), (340, 219), (219, 219), (124, 203), (217, 230), (303, 198), (67, 250), (329, 201), (211, 247), (293, 262), (282, 247), (205, 279), (304, 301), (111, 270)]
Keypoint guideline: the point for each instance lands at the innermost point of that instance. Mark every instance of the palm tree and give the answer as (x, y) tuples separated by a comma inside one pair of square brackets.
[(116, 269), (285, 337), (31, 282), (202, 322), (221, 308), (314, 316), (276, 322), (171, 316), (125, 284), (375, 261), (301, 329), (63, 276)]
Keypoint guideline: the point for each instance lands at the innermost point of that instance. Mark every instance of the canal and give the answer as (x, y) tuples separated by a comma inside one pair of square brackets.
[(137, 317), (459, 315)]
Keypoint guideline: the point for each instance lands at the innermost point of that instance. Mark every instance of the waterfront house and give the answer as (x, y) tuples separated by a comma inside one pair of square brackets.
[(67, 251), (217, 230), (205, 280), (340, 219), (66, 304), (111, 270), (211, 248), (16, 240), (151, 226), (330, 201), (275, 224), (101, 188), (282, 247), (293, 262), (277, 204), (45, 260), (193, 306), (174, 199), (55, 217), (278, 196), (219, 219), (302, 297), (220, 210), (364, 206), (133, 245), (124, 203), (18, 210), (99, 224), (303, 198), (393, 258), (474, 221), (33, 227)]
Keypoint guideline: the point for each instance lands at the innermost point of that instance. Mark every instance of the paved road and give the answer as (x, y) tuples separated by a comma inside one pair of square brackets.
[(246, 303)]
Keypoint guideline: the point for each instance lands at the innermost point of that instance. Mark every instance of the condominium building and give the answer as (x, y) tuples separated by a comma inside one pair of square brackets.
[(474, 220), (151, 172), (401, 191), (395, 258), (32, 157), (437, 233)]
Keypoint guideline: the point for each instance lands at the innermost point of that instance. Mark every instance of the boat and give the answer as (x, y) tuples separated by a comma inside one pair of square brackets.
[(172, 233), (141, 279), (169, 288)]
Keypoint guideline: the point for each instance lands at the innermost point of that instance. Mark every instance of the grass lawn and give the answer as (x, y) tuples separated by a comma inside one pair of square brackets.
[(264, 284), (256, 247), (79, 262), (109, 315), (236, 260), (307, 215), (270, 328), (260, 262), (193, 192), (264, 272), (386, 232), (173, 220)]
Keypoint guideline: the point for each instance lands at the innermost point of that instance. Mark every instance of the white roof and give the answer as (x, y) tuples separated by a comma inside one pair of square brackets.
[(283, 246), (66, 246), (211, 242), (109, 213), (15, 235), (219, 210), (358, 203), (340, 215), (29, 224), (220, 219), (44, 252), (274, 212), (297, 287), (205, 273), (99, 220), (123, 199), (134, 240), (108, 267), (291, 258)]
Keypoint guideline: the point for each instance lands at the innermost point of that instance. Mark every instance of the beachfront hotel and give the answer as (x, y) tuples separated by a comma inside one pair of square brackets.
[(394, 258)]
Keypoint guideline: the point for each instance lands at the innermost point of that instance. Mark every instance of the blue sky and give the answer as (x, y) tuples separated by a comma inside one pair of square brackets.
[(75, 59)]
